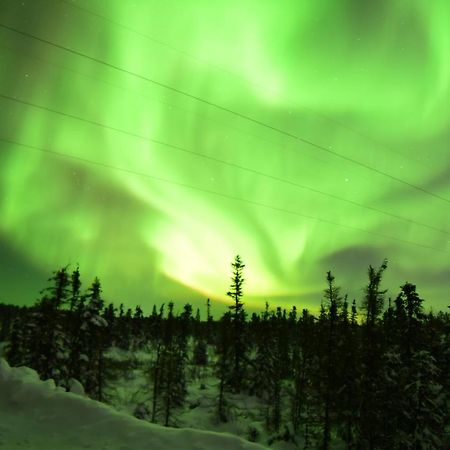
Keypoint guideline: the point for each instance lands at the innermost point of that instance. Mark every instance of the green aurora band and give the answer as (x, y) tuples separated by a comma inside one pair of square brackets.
[(367, 80)]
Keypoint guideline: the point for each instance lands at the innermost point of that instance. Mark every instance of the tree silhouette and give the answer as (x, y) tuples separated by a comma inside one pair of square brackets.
[(370, 417), (238, 317), (324, 382)]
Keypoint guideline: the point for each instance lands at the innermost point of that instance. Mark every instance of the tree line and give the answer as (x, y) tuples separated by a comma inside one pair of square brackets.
[(371, 376)]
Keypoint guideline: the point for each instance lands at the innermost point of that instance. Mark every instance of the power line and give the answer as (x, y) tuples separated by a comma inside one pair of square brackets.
[(216, 193), (223, 162), (155, 40), (225, 109), (141, 95), (206, 62), (279, 179)]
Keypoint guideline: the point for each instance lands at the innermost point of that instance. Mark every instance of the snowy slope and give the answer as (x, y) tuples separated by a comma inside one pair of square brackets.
[(37, 415)]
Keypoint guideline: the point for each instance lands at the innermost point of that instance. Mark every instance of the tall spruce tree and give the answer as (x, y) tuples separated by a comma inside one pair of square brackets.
[(238, 316)]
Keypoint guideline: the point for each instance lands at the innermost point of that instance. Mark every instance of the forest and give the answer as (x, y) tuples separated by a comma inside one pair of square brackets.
[(367, 374)]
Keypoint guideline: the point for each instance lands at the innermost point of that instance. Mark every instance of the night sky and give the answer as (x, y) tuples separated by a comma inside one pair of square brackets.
[(151, 141)]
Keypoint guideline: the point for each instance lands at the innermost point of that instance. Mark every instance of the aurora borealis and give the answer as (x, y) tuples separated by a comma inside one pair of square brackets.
[(369, 81)]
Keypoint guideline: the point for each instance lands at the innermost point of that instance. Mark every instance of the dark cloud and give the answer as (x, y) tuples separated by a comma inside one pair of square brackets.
[(424, 277), (350, 265), (354, 259)]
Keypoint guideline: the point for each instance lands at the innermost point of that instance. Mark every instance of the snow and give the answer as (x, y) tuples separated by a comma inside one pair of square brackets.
[(36, 414)]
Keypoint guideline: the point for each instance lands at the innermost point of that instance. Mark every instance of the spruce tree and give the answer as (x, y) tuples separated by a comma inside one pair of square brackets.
[(75, 292), (137, 328), (373, 301), (238, 316), (410, 305), (370, 414), (329, 357), (94, 327), (47, 339), (209, 323)]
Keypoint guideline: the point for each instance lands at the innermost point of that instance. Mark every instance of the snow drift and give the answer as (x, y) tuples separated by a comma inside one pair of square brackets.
[(36, 414)]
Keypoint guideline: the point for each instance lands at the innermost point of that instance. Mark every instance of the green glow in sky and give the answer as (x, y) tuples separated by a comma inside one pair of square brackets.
[(367, 80)]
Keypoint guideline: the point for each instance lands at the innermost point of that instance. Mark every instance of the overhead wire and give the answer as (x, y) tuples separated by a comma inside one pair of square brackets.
[(217, 193), (220, 68), (221, 161), (225, 109), (146, 96), (263, 174)]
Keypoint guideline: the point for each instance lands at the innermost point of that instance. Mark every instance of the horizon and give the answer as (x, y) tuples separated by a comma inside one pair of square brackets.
[(251, 305), (151, 142)]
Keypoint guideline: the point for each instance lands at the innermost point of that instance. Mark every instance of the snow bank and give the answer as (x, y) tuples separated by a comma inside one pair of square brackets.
[(38, 415)]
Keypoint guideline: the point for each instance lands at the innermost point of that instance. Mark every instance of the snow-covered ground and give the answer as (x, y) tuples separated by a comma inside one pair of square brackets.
[(132, 386), (37, 415)]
